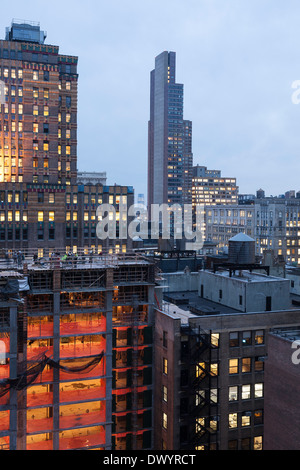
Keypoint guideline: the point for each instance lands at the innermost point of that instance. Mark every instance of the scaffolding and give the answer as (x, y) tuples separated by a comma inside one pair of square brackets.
[(64, 316)]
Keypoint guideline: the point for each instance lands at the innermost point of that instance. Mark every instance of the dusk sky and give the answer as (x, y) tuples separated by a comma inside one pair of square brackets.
[(237, 60)]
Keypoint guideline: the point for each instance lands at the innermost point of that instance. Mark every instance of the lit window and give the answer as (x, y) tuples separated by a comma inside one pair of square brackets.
[(51, 198), (165, 366), (165, 421), (40, 216), (214, 339), (214, 369), (259, 390), (257, 443), (246, 364), (51, 216), (259, 337), (246, 418), (35, 75), (232, 420), (35, 110), (35, 92), (246, 392), (46, 110), (233, 393), (165, 394)]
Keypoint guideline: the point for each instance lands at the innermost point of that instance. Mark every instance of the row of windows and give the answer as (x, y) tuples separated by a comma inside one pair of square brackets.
[(245, 365), (229, 213), (246, 391), (15, 233), (245, 418), (246, 338), (17, 197), (14, 109), (14, 91), (12, 72), (247, 443)]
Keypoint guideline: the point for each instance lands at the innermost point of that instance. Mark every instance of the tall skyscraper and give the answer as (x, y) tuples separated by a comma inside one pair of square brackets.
[(170, 158)]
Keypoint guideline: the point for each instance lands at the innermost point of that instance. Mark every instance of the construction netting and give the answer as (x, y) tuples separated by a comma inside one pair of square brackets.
[(37, 366)]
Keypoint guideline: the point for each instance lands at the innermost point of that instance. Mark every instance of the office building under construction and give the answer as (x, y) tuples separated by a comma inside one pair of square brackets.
[(76, 363)]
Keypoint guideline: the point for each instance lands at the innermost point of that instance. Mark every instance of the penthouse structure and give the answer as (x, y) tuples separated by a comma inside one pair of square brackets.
[(76, 362)]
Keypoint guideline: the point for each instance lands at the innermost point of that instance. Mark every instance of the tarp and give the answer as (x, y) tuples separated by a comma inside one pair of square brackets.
[(23, 284), (11, 287)]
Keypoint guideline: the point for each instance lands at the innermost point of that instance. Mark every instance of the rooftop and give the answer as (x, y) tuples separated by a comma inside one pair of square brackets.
[(175, 311), (290, 334), (246, 276), (193, 305), (26, 31), (14, 263)]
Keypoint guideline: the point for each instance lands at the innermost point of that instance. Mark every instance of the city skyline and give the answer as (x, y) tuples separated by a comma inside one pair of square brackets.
[(248, 50)]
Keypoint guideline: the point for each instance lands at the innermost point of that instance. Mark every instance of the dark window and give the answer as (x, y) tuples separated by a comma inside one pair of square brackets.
[(233, 339), (258, 417), (246, 338), (40, 233), (165, 339)]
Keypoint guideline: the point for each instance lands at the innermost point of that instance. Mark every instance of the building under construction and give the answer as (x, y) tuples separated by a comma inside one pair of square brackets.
[(76, 362)]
